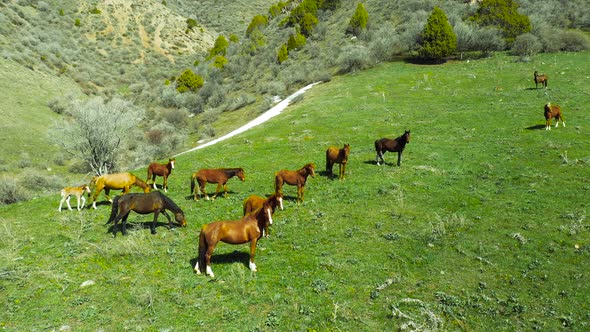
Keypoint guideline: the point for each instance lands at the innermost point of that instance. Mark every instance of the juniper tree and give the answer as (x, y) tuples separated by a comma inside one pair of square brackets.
[(437, 39)]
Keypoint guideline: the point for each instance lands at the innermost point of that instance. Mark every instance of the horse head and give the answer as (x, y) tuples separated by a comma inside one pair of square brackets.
[(407, 136), (310, 168), (172, 161), (180, 219), (240, 174)]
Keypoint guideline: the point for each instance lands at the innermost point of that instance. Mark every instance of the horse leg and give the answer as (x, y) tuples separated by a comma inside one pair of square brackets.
[(153, 227), (78, 203), (83, 201), (154, 182), (217, 190), (208, 253), (68, 203), (167, 217), (204, 192), (225, 190), (165, 183), (63, 199), (379, 157), (251, 264), (124, 223), (399, 158), (107, 192)]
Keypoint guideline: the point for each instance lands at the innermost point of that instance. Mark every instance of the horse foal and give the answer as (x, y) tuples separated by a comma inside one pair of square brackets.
[(67, 192), (553, 111)]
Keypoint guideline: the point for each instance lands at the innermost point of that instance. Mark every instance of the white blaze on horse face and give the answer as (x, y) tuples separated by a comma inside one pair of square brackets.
[(281, 203), (269, 214), (252, 266), (172, 164)]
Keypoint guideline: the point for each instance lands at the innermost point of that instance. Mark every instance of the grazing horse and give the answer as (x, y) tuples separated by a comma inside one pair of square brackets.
[(337, 156), (116, 181), (219, 176), (553, 111), (255, 202), (79, 191), (294, 178), (247, 229), (392, 145), (164, 170), (540, 78), (142, 203)]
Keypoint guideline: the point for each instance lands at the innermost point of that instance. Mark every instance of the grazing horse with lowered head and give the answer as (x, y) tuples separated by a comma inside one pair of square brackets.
[(553, 111), (68, 192), (117, 181), (247, 229), (294, 178), (337, 156), (219, 176), (163, 170), (255, 202), (540, 78), (392, 145), (154, 202)]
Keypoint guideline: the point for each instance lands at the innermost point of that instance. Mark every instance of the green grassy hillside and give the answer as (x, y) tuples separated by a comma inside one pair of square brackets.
[(483, 227)]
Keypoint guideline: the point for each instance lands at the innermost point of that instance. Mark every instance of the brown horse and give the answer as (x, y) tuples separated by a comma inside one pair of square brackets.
[(153, 202), (68, 192), (164, 170), (247, 229), (294, 178), (116, 181), (392, 145), (219, 176), (337, 156), (540, 78), (255, 202), (553, 111)]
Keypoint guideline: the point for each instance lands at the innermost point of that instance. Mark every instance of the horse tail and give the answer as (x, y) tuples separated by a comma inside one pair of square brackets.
[(201, 262), (114, 209), (278, 183), (193, 182)]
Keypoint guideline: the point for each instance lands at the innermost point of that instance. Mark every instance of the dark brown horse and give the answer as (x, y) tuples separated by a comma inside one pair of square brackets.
[(337, 156), (154, 202), (392, 145), (255, 202), (247, 229), (550, 112), (540, 78), (123, 181), (294, 178), (164, 170), (219, 176)]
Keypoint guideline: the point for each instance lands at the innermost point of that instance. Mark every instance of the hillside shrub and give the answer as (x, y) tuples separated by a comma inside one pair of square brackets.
[(308, 23), (77, 22), (282, 54), (191, 23), (257, 22), (220, 62), (189, 81), (525, 46), (359, 20), (574, 41), (504, 15), (296, 41), (11, 192), (95, 11), (276, 9), (219, 48), (353, 58), (437, 39), (329, 4)]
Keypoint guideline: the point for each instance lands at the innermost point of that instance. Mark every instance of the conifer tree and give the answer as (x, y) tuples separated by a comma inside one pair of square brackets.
[(504, 15), (437, 39)]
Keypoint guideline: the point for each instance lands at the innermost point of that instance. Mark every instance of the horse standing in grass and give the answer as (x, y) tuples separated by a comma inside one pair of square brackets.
[(247, 229), (255, 202), (540, 78), (337, 156), (163, 170), (122, 181), (294, 178), (68, 192), (553, 111), (219, 176), (392, 145), (142, 203)]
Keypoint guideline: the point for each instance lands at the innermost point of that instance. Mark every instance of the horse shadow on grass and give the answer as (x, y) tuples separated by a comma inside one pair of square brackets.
[(235, 256), (385, 163), (140, 225), (536, 127), (192, 196)]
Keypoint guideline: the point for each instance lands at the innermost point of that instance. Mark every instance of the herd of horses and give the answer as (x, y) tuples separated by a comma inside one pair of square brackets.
[(257, 211)]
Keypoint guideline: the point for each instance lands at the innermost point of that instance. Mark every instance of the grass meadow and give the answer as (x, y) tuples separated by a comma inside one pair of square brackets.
[(483, 227)]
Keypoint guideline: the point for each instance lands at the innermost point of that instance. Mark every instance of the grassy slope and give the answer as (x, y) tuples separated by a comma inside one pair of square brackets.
[(26, 117), (480, 224)]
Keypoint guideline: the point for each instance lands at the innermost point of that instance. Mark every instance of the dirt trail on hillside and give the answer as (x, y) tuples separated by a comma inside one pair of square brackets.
[(274, 111)]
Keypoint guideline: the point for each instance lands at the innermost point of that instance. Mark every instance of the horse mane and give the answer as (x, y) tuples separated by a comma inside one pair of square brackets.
[(170, 203), (232, 171)]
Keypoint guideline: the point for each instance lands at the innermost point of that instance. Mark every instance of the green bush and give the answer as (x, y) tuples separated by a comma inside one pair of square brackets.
[(353, 58), (308, 22), (282, 54), (257, 22), (276, 10), (504, 15), (77, 22), (437, 39), (329, 4), (526, 45), (189, 81), (11, 192), (220, 62), (574, 41), (191, 23), (296, 41), (219, 48), (359, 20), (94, 11)]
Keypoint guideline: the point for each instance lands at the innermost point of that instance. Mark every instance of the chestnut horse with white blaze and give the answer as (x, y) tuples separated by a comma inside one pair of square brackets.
[(294, 178), (255, 202), (550, 112), (163, 170), (247, 229), (68, 192)]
